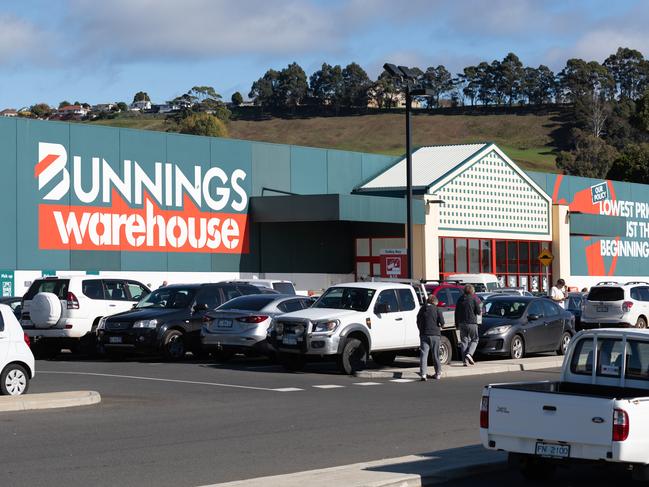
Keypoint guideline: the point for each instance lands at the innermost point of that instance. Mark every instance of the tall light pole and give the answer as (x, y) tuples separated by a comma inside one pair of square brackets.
[(407, 76)]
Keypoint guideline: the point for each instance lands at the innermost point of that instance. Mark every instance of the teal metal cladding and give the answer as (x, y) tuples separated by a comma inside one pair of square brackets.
[(292, 169)]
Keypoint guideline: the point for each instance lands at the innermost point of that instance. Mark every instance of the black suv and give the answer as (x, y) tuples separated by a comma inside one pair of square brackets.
[(168, 320)]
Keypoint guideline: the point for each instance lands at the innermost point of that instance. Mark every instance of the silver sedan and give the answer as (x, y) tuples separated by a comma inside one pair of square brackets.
[(240, 325)]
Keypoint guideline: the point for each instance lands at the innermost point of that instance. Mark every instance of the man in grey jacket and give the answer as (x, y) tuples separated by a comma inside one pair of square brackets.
[(467, 310), (430, 322)]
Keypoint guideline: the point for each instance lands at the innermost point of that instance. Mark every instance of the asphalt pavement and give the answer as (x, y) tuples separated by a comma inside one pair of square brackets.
[(194, 423)]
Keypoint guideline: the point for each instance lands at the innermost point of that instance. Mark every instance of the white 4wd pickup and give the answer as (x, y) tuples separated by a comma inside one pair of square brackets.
[(350, 321), (598, 411)]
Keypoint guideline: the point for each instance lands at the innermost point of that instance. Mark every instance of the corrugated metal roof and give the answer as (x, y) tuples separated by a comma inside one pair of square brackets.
[(428, 165)]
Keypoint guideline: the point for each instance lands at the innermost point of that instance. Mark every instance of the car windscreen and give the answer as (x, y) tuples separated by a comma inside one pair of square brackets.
[(254, 302), (505, 308), (54, 286), (606, 293), (284, 287), (168, 297), (355, 298)]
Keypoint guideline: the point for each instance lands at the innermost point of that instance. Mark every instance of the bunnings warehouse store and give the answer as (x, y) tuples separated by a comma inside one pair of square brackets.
[(158, 206)]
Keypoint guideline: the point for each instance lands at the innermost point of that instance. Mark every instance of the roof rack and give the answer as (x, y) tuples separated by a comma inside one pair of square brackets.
[(630, 283), (604, 283)]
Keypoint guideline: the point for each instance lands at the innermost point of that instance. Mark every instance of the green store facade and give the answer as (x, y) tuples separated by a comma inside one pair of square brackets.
[(157, 206)]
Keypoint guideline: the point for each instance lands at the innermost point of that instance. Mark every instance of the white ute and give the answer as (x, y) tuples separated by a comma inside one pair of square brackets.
[(598, 411), (350, 322)]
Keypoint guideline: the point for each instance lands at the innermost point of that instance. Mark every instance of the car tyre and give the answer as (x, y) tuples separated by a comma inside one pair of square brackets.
[(292, 362), (353, 357), (563, 344), (173, 345), (445, 351), (14, 380), (384, 359), (641, 323), (517, 347)]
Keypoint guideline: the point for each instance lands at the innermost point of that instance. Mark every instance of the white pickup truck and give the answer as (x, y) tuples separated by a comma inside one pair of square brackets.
[(598, 411)]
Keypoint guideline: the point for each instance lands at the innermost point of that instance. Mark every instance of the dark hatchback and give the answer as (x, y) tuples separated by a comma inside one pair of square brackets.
[(516, 325), (168, 321)]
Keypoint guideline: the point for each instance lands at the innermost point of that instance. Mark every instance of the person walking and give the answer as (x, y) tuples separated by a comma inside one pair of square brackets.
[(467, 310), (430, 321), (557, 293)]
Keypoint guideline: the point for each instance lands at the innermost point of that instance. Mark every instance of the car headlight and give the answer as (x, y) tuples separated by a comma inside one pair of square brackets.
[(102, 324), (498, 330), (145, 324), (325, 326)]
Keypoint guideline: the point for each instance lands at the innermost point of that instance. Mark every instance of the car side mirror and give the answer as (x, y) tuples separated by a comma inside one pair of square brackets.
[(200, 307), (381, 308), (533, 317)]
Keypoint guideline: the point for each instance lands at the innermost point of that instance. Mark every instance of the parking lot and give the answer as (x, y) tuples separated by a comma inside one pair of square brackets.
[(195, 423)]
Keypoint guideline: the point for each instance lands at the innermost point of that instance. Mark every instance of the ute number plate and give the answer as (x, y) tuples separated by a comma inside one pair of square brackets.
[(289, 340), (114, 339), (554, 450)]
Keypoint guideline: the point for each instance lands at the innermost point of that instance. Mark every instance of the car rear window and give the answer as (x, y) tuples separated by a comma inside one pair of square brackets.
[(54, 286), (284, 287), (253, 302), (606, 293)]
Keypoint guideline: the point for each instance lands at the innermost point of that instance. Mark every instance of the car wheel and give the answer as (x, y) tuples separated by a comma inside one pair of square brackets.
[(14, 380), (353, 357), (445, 351), (384, 358), (292, 362), (563, 345), (641, 323), (173, 345), (517, 347)]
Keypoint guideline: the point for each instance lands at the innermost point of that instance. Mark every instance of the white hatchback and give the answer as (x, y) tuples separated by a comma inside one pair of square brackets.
[(16, 359)]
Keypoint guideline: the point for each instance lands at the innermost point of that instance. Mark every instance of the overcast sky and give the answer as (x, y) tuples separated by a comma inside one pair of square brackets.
[(106, 50)]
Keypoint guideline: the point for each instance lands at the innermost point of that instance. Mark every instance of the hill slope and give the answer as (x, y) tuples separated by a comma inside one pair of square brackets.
[(529, 139)]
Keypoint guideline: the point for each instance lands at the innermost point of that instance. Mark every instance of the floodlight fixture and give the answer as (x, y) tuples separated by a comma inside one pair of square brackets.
[(392, 70), (407, 72)]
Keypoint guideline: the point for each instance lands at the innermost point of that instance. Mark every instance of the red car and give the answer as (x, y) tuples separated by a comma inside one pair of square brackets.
[(446, 293)]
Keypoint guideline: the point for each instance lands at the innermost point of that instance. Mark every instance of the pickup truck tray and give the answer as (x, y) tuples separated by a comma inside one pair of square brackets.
[(573, 388)]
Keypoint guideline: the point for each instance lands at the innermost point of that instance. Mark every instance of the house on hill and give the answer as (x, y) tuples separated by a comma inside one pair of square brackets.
[(9, 112)]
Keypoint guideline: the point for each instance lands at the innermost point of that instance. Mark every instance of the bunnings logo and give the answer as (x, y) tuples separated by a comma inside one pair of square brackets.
[(122, 208)]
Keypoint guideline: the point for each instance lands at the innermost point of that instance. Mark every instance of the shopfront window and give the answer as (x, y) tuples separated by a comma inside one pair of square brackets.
[(515, 262)]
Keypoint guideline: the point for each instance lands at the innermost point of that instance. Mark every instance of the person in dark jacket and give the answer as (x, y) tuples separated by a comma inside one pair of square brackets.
[(467, 310), (430, 322)]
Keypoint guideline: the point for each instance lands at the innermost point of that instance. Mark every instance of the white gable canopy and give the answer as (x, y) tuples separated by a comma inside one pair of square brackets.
[(481, 191)]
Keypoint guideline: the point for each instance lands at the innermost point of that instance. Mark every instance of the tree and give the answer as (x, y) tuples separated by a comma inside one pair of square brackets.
[(592, 112), (471, 83), (123, 107), (629, 70), (327, 86), (264, 91), (384, 91), (485, 83), (203, 124), (41, 110), (641, 116), (632, 165), (292, 85), (510, 77), (579, 79), (64, 103), (236, 99), (356, 84), (439, 81), (591, 157), (141, 96)]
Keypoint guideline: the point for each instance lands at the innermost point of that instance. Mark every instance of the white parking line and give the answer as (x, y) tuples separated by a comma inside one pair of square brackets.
[(402, 381), (367, 383), (193, 382), (328, 386)]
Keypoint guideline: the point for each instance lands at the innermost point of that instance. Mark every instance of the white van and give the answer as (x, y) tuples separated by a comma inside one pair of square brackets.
[(481, 282)]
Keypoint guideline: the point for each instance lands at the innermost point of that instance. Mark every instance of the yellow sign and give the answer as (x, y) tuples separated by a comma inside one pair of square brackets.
[(545, 257)]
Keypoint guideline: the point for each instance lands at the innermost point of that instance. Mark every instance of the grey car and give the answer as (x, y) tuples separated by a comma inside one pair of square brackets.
[(240, 325)]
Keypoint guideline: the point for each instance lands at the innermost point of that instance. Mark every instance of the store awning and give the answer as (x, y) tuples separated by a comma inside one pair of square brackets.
[(333, 207)]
